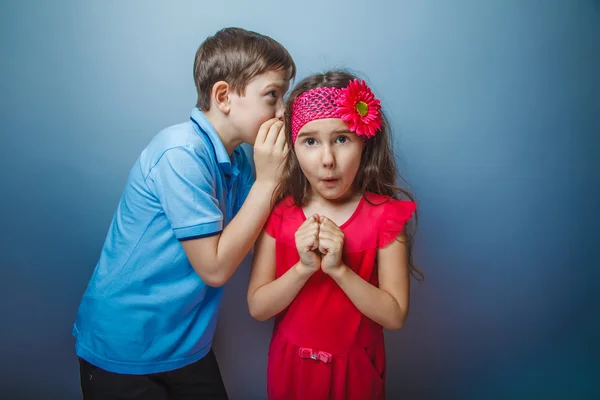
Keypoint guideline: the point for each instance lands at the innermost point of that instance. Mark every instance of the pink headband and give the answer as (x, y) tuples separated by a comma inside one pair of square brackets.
[(355, 104)]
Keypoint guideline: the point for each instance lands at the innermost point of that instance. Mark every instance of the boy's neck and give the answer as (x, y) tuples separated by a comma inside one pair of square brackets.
[(227, 138)]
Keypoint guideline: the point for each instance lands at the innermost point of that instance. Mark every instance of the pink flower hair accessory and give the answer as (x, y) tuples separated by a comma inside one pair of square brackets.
[(354, 104)]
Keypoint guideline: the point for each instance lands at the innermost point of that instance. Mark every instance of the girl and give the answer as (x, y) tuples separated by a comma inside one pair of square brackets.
[(333, 263)]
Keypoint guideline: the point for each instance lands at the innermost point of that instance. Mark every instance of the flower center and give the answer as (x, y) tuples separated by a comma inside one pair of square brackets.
[(362, 108)]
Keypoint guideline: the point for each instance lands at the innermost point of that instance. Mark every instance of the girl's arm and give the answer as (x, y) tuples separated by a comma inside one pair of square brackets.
[(268, 296), (387, 304)]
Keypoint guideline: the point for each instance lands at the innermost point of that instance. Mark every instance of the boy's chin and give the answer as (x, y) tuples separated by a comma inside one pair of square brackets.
[(250, 138)]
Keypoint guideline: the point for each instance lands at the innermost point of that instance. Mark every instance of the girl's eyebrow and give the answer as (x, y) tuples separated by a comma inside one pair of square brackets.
[(307, 133), (313, 133)]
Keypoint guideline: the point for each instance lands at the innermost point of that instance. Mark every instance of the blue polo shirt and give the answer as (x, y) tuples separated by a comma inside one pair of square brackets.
[(145, 309)]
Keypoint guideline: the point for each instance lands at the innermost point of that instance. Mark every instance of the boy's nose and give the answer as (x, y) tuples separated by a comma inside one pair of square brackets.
[(279, 112)]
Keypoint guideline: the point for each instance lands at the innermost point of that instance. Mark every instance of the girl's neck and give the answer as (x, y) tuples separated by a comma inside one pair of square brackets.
[(338, 210)]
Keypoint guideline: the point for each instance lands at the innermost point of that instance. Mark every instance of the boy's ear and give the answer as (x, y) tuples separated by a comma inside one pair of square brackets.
[(221, 96)]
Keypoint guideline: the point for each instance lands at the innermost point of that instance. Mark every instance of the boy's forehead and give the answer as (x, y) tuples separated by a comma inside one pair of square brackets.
[(278, 76)]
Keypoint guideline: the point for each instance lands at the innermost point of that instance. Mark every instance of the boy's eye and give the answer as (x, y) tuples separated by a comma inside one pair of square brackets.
[(272, 93), (342, 139)]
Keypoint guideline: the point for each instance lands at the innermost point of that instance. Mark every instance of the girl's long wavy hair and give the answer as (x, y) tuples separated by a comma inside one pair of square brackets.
[(377, 172)]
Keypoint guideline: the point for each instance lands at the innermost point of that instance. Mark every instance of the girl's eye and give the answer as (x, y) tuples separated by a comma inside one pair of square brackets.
[(272, 93), (342, 139), (310, 142)]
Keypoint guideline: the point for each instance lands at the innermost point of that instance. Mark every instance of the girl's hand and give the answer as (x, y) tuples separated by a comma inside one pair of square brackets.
[(331, 243), (307, 244)]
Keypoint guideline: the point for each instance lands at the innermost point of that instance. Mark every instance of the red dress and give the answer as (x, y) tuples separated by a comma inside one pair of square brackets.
[(322, 346)]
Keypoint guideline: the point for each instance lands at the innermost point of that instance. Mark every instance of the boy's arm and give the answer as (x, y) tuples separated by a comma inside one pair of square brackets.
[(215, 258), (268, 296)]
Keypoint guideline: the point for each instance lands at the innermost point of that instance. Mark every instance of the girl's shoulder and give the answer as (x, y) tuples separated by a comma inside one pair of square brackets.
[(284, 212), (284, 207), (387, 204), (284, 220), (389, 215)]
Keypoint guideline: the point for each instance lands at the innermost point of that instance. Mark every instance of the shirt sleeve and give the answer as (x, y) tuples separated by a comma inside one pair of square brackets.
[(246, 178), (186, 188), (396, 214), (273, 224)]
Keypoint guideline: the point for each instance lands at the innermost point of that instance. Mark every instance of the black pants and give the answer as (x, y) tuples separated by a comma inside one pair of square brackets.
[(200, 380)]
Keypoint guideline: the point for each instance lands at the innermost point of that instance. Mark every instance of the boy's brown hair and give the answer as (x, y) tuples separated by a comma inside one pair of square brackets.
[(236, 56)]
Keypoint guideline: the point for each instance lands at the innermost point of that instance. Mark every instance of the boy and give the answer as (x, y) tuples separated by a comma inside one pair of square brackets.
[(189, 214)]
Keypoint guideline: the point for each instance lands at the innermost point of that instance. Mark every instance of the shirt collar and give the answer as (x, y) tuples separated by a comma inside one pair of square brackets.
[(203, 126)]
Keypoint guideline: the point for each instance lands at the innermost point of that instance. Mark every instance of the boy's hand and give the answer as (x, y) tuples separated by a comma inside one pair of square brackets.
[(270, 150), (331, 243), (307, 244)]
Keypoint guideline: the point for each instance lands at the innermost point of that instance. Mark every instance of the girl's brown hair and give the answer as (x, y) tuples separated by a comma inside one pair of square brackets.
[(377, 172)]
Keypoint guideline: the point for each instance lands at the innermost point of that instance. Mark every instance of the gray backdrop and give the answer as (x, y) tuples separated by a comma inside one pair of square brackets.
[(495, 107)]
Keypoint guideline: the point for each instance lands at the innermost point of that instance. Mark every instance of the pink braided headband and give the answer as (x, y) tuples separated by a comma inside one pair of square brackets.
[(355, 104)]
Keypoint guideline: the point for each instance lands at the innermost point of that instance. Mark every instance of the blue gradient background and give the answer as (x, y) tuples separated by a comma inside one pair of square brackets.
[(496, 110)]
